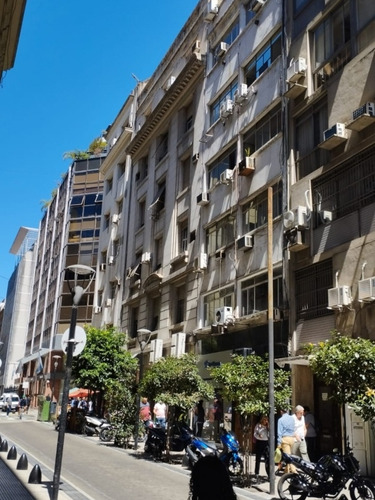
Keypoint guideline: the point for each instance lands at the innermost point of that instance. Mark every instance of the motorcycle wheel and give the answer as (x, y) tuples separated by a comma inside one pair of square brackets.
[(234, 466), (289, 489), (106, 435), (362, 489)]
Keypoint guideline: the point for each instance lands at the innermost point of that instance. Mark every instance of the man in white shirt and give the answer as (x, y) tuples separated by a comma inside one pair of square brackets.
[(300, 447)]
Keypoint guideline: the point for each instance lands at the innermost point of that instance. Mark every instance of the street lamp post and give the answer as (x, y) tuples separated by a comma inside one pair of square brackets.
[(75, 274), (143, 337)]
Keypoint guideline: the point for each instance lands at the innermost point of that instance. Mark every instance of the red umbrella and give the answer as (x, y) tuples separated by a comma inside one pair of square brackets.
[(79, 393)]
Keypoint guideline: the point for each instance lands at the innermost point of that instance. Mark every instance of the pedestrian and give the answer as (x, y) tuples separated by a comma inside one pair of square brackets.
[(210, 480), (311, 434), (299, 447), (198, 419), (286, 436), (28, 402), (144, 411), (9, 405), (160, 413), (261, 435), (218, 417), (22, 406)]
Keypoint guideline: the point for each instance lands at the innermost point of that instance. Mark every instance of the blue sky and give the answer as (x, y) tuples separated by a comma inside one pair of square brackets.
[(73, 72)]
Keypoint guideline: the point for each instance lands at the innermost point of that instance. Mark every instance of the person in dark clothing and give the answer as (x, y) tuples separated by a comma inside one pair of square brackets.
[(198, 419), (210, 480)]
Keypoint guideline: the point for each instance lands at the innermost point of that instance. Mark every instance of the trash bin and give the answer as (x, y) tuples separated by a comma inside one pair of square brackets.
[(43, 411), (53, 406)]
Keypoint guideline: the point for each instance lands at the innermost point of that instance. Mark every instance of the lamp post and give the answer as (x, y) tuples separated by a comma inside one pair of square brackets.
[(56, 358), (79, 279), (143, 337)]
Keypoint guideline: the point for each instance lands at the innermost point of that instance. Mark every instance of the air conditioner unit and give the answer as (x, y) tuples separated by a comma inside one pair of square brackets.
[(224, 314), (196, 47), (257, 4), (156, 350), (296, 240), (337, 130), (169, 82), (212, 10), (111, 259), (226, 108), (366, 109), (102, 267), (97, 309), (146, 258), (108, 303), (203, 198), (366, 289), (221, 49), (201, 261), (245, 242), (338, 297), (296, 70), (220, 254), (178, 344), (296, 217), (195, 158), (246, 166), (240, 94), (227, 175), (115, 218)]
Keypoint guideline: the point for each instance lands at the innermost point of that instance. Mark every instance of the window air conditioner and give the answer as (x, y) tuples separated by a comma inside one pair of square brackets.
[(115, 218), (366, 289), (146, 258), (224, 314), (220, 254), (195, 158), (221, 49), (296, 217), (240, 94), (226, 108), (169, 82), (156, 350), (178, 344), (338, 297), (212, 10), (102, 267), (245, 242), (246, 166), (338, 130), (97, 309), (257, 4), (296, 240), (111, 260), (366, 109), (296, 70), (226, 176), (196, 47), (203, 198), (201, 262), (108, 303)]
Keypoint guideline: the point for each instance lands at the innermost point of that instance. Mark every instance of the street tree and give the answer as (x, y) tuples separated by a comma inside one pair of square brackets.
[(176, 382), (347, 365), (245, 382)]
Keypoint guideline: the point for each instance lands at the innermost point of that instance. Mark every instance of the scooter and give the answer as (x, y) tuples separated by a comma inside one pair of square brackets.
[(156, 440), (94, 425), (199, 448)]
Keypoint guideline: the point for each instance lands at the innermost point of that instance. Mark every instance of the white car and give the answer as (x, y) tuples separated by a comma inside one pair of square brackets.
[(15, 401)]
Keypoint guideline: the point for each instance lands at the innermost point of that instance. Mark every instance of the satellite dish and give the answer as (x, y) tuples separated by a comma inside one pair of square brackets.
[(79, 340), (288, 218)]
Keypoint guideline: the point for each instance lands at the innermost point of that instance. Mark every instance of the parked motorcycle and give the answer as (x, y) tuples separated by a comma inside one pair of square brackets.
[(325, 479), (156, 439), (199, 448), (94, 425), (106, 432)]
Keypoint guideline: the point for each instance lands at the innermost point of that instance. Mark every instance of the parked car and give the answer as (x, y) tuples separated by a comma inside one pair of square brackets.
[(15, 401)]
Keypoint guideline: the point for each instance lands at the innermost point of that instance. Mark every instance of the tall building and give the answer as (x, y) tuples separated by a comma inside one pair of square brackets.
[(68, 235), (11, 18)]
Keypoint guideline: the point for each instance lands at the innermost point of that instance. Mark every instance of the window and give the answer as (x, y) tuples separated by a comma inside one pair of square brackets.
[(263, 59), (365, 22), (142, 169), (255, 213), (120, 170), (264, 130), (141, 213), (183, 236), (154, 313), (254, 294), (158, 253), (180, 304), (159, 201), (228, 38), (216, 300), (309, 133), (221, 234), (185, 173), (250, 14), (332, 44), (312, 284), (119, 207), (162, 147), (215, 107), (134, 314), (109, 185), (346, 189), (106, 221), (226, 161)]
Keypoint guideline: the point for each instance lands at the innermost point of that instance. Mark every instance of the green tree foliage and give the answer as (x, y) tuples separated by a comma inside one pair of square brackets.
[(176, 382), (104, 364), (348, 366)]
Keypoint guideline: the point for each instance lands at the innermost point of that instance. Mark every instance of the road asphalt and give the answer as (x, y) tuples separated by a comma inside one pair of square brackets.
[(15, 483)]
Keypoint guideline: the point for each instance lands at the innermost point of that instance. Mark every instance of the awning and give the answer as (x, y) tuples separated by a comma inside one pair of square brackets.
[(35, 355), (293, 360), (159, 196)]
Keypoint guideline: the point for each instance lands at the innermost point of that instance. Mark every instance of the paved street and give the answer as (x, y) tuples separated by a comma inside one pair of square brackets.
[(94, 470)]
